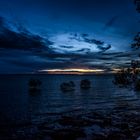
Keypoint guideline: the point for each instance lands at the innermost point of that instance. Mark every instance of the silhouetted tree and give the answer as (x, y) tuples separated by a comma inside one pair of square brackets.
[(136, 43), (131, 75), (137, 2)]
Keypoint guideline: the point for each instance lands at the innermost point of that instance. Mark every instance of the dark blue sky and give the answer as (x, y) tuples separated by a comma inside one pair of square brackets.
[(66, 34)]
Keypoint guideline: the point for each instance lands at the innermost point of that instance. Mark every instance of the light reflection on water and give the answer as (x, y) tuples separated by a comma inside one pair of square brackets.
[(17, 105)]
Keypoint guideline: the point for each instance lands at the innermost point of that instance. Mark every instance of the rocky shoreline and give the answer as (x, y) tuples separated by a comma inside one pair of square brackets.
[(116, 125)]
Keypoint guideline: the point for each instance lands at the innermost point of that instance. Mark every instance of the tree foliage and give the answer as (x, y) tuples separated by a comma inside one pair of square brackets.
[(136, 43)]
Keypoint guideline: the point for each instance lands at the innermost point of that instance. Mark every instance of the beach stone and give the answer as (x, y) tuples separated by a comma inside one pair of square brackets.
[(96, 115), (99, 123), (107, 121), (98, 137), (47, 138), (137, 129), (136, 132), (39, 136), (138, 138), (116, 136), (68, 134), (122, 125), (77, 122), (128, 133), (45, 126)]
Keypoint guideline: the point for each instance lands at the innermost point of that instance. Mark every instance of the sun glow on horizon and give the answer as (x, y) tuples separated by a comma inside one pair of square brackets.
[(72, 71)]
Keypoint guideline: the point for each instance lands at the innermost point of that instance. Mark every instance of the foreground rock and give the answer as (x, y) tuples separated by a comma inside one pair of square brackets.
[(116, 125)]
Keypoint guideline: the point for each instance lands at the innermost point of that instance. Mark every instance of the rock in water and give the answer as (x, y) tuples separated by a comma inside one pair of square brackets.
[(34, 86), (65, 87), (85, 84), (137, 85)]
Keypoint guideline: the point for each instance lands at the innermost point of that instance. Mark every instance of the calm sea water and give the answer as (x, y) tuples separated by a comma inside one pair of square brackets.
[(18, 106)]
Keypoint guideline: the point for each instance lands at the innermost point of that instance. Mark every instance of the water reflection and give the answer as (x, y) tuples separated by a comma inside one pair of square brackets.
[(17, 105)]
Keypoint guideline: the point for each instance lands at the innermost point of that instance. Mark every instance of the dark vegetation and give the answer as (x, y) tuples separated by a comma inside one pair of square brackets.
[(137, 2), (131, 75)]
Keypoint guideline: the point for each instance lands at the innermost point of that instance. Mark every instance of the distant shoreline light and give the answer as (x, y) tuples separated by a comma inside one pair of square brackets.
[(72, 71)]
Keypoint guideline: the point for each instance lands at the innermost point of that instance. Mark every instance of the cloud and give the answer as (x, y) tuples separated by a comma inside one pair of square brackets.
[(77, 44), (20, 39), (23, 51), (111, 22)]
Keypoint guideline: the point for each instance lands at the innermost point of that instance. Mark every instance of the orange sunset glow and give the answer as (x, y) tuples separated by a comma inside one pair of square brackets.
[(73, 71)]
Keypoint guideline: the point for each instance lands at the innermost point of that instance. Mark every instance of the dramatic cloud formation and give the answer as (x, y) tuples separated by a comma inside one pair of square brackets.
[(62, 34), (20, 39), (77, 44)]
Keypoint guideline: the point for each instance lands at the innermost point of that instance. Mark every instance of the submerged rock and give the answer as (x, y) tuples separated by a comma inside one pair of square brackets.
[(85, 84), (72, 83), (34, 86), (34, 83), (122, 79), (137, 85), (65, 87)]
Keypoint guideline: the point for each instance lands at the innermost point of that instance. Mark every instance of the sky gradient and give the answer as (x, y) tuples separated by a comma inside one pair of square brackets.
[(67, 34)]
